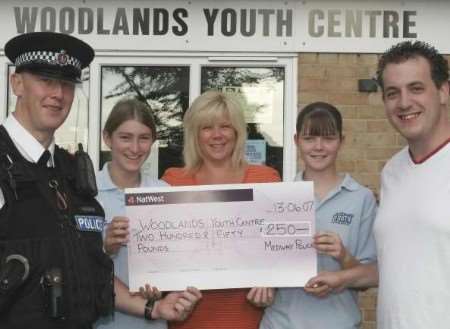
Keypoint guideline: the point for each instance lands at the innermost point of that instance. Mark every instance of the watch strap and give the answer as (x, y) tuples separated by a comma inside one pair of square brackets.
[(149, 308)]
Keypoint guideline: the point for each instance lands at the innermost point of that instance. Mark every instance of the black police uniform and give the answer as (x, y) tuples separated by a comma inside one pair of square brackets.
[(47, 220), (46, 231)]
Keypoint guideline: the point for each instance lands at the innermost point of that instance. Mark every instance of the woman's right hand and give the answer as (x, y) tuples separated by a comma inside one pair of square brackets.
[(116, 234)]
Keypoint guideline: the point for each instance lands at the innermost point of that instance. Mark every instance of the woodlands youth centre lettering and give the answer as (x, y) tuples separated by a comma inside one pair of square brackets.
[(153, 21)]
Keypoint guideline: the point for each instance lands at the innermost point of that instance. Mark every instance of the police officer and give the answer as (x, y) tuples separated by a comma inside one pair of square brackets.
[(53, 271)]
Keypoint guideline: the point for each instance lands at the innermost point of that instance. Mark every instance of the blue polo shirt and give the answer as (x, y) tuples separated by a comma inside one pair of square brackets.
[(348, 210), (113, 202)]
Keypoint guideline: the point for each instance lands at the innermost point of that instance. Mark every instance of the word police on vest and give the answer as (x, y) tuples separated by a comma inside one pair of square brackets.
[(89, 223), (13, 272)]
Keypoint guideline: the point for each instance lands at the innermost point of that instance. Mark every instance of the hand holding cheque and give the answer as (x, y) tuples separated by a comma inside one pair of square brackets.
[(221, 236)]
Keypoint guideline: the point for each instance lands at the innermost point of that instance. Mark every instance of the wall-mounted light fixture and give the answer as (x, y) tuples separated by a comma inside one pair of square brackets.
[(367, 85)]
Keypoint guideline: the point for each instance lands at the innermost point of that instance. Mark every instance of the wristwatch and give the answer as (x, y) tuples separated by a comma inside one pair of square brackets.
[(149, 308)]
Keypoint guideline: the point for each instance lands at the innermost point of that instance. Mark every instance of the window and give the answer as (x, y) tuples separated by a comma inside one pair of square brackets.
[(260, 91), (166, 90)]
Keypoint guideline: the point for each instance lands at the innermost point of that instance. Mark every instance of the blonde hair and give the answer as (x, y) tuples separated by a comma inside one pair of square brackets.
[(206, 109)]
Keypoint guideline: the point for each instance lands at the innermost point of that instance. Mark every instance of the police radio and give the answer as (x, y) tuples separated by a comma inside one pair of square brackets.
[(85, 175)]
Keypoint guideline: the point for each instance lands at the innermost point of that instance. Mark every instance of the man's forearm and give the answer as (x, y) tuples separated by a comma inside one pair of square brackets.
[(360, 276)]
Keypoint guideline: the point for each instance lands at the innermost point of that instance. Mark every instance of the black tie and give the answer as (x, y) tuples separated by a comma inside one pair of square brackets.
[(43, 160)]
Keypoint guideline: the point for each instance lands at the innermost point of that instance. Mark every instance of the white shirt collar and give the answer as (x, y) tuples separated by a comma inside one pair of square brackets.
[(28, 146)]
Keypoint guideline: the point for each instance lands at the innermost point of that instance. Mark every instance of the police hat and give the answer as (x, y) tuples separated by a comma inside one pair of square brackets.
[(54, 55)]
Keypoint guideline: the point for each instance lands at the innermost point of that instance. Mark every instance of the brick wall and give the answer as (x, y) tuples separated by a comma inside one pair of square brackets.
[(369, 139)]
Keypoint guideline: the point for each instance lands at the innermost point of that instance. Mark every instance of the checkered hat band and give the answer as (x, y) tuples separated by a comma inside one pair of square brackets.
[(49, 57)]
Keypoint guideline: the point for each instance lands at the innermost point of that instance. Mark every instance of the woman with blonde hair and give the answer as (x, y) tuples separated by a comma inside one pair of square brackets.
[(214, 153)]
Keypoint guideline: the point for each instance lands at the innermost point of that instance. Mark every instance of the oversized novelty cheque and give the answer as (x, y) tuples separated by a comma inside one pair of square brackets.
[(221, 236)]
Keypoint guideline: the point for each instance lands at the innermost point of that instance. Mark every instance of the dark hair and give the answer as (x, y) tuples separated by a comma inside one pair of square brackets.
[(407, 50), (130, 109), (319, 119)]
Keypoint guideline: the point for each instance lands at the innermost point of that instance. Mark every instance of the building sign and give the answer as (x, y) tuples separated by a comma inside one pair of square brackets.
[(252, 25)]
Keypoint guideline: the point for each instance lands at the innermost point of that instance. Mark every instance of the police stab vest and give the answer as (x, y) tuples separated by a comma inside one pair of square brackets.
[(52, 225)]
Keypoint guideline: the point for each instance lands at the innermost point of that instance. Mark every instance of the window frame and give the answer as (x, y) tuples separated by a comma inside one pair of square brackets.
[(195, 60)]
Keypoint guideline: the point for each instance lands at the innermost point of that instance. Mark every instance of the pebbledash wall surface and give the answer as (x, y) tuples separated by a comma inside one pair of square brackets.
[(276, 55)]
